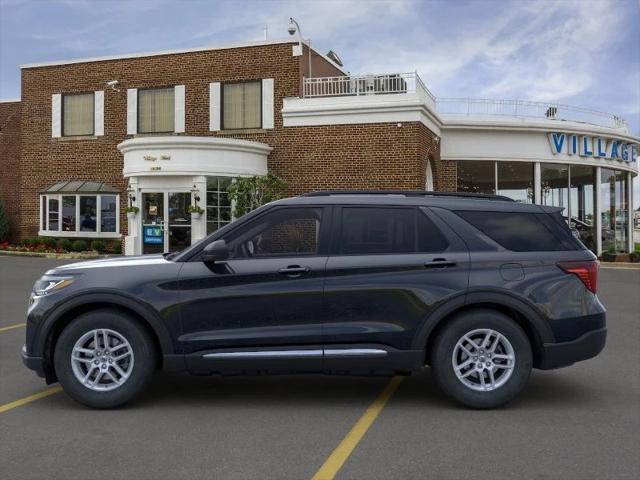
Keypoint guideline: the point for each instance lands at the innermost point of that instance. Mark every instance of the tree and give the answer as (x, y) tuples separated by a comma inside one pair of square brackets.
[(4, 222), (249, 193)]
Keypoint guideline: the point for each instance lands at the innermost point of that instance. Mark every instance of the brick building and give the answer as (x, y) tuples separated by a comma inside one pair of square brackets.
[(162, 131)]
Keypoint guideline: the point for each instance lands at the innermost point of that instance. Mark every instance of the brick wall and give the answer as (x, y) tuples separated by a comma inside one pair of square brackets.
[(381, 156), (10, 162)]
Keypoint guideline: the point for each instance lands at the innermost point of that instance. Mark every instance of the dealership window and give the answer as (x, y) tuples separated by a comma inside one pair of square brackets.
[(554, 186), (614, 209), (78, 114), (79, 209), (477, 176), (515, 180), (156, 110), (218, 203), (581, 203), (242, 105)]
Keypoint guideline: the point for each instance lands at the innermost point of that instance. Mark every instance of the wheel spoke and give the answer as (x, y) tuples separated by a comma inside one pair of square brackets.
[(96, 342), (492, 378), (108, 372), (503, 367), (118, 369), (481, 375), (495, 344), (464, 364), (89, 372), (105, 338), (486, 339), (86, 351), (501, 356), (118, 347), (468, 372)]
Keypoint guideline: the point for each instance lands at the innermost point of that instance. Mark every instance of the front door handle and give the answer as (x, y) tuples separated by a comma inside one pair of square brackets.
[(294, 270), (439, 263)]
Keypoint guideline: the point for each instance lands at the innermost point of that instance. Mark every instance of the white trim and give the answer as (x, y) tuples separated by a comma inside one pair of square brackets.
[(214, 107), (63, 234), (268, 112), (537, 183), (98, 113), (77, 233), (630, 211), (598, 210), (178, 104), (56, 115), (132, 111), (10, 100), (428, 184), (156, 53)]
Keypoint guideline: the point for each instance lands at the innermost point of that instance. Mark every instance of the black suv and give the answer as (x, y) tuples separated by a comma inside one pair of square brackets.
[(479, 288)]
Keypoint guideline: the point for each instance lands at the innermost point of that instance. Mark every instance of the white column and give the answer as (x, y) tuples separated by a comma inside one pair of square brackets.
[(537, 183), (214, 106), (133, 240), (630, 212), (179, 101), (598, 212), (199, 226), (56, 115), (98, 113), (132, 111)]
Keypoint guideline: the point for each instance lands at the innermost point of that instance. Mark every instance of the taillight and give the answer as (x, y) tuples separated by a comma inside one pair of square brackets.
[(585, 271)]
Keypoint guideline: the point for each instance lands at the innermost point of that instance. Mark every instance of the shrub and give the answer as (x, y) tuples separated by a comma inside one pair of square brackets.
[(4, 223), (99, 246), (30, 242), (48, 242), (114, 247), (65, 244), (79, 246)]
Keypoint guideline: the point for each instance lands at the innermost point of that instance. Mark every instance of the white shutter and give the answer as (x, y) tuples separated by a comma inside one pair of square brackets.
[(179, 108), (98, 113), (132, 111), (267, 103), (56, 115), (214, 106)]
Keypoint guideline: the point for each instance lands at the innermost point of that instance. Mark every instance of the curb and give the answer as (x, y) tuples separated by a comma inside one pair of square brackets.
[(60, 256), (621, 265)]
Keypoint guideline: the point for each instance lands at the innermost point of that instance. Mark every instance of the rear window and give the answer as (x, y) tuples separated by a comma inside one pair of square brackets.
[(388, 230), (524, 232)]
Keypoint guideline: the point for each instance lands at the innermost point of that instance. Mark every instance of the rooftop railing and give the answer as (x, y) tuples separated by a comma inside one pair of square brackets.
[(398, 83)]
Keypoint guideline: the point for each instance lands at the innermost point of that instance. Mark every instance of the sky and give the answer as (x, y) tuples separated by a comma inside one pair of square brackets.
[(576, 52)]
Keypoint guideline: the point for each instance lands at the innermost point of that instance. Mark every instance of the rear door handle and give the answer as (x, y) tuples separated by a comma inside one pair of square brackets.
[(439, 263), (294, 270)]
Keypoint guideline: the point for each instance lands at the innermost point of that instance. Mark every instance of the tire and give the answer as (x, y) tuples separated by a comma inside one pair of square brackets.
[(113, 387), (487, 381)]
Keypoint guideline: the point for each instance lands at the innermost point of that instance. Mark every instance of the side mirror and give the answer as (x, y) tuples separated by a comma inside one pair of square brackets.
[(215, 251)]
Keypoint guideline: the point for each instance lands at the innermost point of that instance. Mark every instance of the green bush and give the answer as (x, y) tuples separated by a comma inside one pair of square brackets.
[(48, 242), (65, 244), (4, 223), (30, 242), (79, 246), (99, 246), (114, 247)]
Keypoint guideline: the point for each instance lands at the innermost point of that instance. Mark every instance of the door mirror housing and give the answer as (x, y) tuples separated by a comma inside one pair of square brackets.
[(215, 251)]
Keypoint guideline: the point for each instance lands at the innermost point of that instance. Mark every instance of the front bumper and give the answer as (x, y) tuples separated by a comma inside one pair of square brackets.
[(556, 355), (34, 363)]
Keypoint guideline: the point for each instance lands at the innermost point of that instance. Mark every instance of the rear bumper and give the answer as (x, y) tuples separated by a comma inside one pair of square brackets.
[(33, 363), (556, 355)]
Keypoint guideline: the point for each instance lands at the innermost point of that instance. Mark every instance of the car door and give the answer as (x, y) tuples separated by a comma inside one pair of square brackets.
[(389, 267), (260, 308)]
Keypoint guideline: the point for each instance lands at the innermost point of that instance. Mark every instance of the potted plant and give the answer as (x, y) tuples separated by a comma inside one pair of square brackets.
[(610, 254), (195, 211), (131, 212)]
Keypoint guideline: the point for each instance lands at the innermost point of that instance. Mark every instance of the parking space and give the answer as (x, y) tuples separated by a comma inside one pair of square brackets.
[(577, 423)]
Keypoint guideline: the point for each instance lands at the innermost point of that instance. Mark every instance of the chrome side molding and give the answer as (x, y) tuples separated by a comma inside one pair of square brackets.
[(329, 352)]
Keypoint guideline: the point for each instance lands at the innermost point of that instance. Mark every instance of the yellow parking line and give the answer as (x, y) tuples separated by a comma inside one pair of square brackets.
[(11, 327), (31, 398), (333, 464)]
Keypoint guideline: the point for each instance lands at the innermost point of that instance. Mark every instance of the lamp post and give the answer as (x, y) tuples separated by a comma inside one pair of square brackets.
[(293, 28)]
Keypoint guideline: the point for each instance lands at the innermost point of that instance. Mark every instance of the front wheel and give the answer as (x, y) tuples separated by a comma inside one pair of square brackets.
[(104, 359), (481, 359)]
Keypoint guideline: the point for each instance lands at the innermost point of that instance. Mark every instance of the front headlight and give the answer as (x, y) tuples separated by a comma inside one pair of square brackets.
[(48, 285)]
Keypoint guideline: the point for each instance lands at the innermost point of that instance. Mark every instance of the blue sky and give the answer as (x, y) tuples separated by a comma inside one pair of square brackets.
[(579, 52)]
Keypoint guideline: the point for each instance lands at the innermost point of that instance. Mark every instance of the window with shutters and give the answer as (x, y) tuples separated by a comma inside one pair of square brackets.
[(78, 114), (156, 110), (242, 105)]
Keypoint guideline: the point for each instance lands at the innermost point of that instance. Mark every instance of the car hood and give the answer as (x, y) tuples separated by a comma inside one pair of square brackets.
[(112, 262)]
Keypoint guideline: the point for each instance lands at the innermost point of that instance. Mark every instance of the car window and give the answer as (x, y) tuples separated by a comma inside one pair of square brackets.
[(388, 230), (284, 232)]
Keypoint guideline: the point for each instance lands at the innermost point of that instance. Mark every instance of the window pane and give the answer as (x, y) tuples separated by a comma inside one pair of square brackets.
[(53, 214), (286, 232), (523, 232), (555, 186), (87, 214), (156, 111), (108, 213), (378, 230), (218, 204), (615, 210), (430, 239), (582, 212), (242, 105), (476, 177), (515, 180), (77, 114), (69, 213), (43, 205)]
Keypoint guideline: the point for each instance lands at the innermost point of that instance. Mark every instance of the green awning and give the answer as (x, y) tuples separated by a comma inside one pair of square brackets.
[(81, 186)]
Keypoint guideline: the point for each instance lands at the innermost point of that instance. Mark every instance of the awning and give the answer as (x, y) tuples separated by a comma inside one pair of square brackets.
[(81, 186)]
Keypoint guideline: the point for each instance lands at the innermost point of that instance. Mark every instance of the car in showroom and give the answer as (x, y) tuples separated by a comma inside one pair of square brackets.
[(479, 288)]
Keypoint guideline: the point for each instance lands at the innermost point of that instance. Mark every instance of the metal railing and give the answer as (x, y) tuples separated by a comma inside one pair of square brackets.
[(355, 85), (525, 109)]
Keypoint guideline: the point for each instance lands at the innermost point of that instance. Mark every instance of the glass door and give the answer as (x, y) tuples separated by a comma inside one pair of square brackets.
[(179, 236), (153, 224)]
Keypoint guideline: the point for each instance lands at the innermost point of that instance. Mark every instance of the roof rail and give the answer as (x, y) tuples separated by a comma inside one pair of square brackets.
[(408, 193)]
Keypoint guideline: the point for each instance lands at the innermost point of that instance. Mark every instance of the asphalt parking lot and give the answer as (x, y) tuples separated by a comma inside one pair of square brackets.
[(581, 422)]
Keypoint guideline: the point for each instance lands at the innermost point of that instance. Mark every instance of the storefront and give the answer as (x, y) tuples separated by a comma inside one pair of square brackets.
[(168, 174)]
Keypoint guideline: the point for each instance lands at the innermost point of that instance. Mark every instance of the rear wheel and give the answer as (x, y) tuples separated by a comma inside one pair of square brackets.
[(482, 359), (104, 359)]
